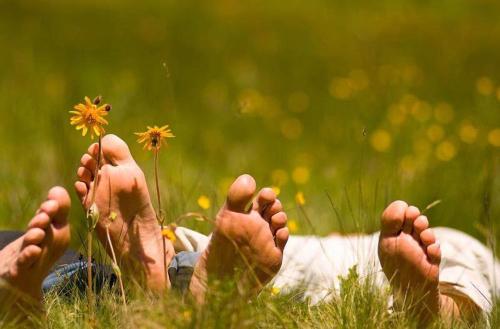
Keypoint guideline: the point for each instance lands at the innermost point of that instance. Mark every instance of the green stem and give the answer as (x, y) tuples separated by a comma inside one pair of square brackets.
[(159, 214), (90, 229)]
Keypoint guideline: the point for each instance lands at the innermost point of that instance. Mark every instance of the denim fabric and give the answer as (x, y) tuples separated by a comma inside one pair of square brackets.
[(65, 278), (181, 269)]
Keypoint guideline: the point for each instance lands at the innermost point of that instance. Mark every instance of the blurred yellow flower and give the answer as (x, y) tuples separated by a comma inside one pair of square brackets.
[(300, 175), (446, 151), (408, 165), (468, 133), (421, 110), (358, 80), (444, 113), (204, 202), (341, 88), (435, 133), (397, 114), (89, 116), (484, 86), (300, 199), (276, 190), (292, 225), (279, 177), (187, 314), (275, 291), (153, 137), (494, 137), (381, 140), (291, 128), (169, 233)]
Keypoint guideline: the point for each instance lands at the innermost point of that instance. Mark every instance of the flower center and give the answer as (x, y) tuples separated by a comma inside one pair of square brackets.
[(155, 139), (90, 117)]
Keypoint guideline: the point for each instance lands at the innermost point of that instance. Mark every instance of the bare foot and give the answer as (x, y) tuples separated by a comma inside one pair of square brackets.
[(410, 257), (248, 242), (135, 233), (25, 262)]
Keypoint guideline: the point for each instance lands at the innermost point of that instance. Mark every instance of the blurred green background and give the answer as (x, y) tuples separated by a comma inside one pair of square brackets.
[(340, 106)]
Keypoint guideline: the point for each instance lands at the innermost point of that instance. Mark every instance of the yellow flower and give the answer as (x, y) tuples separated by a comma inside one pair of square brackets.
[(153, 137), (485, 86), (468, 133), (381, 140), (300, 175), (494, 137), (435, 133), (446, 151), (293, 226), (275, 291), (89, 116), (276, 190), (204, 202), (300, 199), (168, 232)]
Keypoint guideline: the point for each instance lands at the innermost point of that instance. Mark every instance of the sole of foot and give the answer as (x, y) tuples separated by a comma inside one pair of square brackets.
[(25, 262), (248, 240), (410, 258), (122, 190)]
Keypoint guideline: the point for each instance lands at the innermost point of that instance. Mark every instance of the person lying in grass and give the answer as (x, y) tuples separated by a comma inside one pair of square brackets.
[(433, 272)]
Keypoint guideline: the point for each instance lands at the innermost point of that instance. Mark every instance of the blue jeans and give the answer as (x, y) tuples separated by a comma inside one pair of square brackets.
[(70, 271)]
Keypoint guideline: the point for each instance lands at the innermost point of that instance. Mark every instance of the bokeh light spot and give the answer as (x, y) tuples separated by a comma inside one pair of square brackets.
[(381, 140)]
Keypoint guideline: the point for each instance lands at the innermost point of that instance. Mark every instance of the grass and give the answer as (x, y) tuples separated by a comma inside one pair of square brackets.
[(354, 105)]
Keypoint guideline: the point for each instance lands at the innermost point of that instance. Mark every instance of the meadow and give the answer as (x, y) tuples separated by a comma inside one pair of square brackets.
[(340, 107)]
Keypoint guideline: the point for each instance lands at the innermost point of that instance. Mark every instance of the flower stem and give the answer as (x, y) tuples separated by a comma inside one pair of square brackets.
[(90, 297), (116, 268), (159, 215), (90, 228)]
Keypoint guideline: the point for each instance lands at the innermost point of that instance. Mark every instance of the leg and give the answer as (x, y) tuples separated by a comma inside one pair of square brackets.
[(247, 242)]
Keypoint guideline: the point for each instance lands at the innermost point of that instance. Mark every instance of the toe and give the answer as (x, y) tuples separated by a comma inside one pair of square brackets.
[(419, 225), (61, 197), (434, 253), (241, 193), (88, 162), (50, 207), (273, 209), (41, 220), (93, 150), (264, 201), (84, 175), (393, 217), (29, 255), (282, 238), (33, 236), (81, 190), (278, 221), (116, 151), (427, 237), (410, 215)]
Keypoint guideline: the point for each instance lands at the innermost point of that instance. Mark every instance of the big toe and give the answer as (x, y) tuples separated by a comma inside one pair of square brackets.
[(61, 196), (115, 150), (393, 217), (241, 193)]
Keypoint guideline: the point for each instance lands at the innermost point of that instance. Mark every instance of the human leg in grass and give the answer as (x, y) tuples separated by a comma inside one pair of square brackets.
[(410, 257), (135, 234), (25, 262), (244, 242)]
